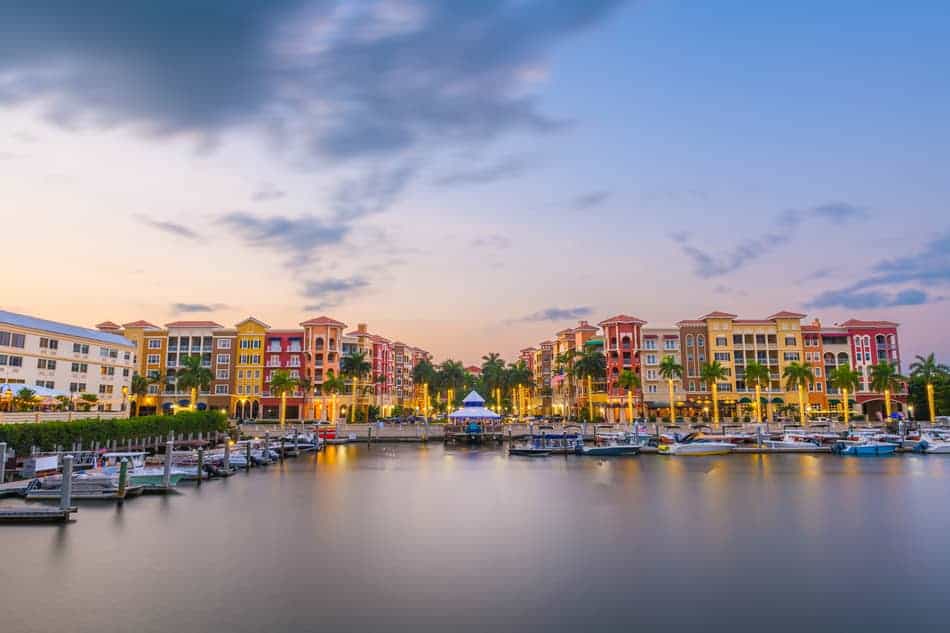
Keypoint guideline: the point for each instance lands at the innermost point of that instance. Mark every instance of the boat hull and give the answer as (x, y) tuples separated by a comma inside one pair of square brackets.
[(696, 449)]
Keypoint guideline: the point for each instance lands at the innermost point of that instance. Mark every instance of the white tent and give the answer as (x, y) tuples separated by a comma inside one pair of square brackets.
[(473, 408)]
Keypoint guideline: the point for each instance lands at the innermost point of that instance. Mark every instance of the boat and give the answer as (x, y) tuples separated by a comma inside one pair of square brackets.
[(793, 441), (610, 450), (695, 444), (530, 451), (868, 448), (85, 485), (933, 444), (139, 473)]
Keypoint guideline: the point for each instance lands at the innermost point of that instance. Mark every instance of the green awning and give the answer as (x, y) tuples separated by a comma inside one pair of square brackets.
[(745, 400), (777, 400), (833, 401)]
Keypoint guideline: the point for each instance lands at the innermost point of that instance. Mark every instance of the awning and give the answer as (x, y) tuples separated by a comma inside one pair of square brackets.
[(834, 402), (167, 405), (777, 400), (745, 400)]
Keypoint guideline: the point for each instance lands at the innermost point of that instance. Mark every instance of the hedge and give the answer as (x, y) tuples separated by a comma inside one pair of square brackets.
[(47, 435)]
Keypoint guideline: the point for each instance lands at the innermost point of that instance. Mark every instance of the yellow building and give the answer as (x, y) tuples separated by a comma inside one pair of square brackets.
[(249, 366)]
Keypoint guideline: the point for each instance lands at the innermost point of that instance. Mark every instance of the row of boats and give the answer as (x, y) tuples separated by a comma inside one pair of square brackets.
[(102, 478), (859, 442)]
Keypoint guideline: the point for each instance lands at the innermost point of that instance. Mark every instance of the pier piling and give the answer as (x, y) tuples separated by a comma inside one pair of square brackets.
[(247, 456), (201, 464), (167, 473), (227, 455), (281, 448), (123, 479), (3, 461), (66, 500)]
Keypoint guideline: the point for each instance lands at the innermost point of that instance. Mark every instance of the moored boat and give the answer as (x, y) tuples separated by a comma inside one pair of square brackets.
[(867, 448)]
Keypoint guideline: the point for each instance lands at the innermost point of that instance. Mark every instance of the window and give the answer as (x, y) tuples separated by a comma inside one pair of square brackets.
[(155, 343), (79, 368), (152, 359), (18, 340), (791, 341), (791, 356), (43, 363), (867, 357), (224, 343), (651, 374), (721, 341), (220, 389), (649, 343), (819, 386), (12, 361), (701, 341), (651, 388), (224, 359), (722, 356), (256, 359), (49, 384), (125, 372), (692, 385), (651, 359), (817, 372), (244, 343), (106, 371), (206, 342), (107, 389), (670, 343), (737, 339), (257, 373), (48, 343), (5, 338), (222, 374), (241, 373)]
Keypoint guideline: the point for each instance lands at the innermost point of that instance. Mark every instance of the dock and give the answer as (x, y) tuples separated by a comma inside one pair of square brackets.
[(36, 514)]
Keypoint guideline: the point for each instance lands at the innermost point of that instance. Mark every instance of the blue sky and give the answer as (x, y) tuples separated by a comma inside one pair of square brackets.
[(469, 175)]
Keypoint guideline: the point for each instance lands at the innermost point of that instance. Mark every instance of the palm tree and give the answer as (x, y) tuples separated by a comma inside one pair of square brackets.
[(928, 370), (670, 370), (451, 375), (885, 379), (62, 403), (354, 366), (565, 367), (25, 399), (280, 384), (138, 389), (630, 381), (758, 375), (331, 386), (590, 364), (193, 376), (711, 374), (493, 370), (423, 375), (89, 400), (518, 378), (797, 377), (845, 379)]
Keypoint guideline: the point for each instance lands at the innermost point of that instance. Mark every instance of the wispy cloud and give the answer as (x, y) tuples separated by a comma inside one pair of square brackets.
[(509, 167), (197, 307), (707, 264), (331, 292), (590, 200), (300, 238), (886, 285), (267, 193), (172, 228), (557, 314)]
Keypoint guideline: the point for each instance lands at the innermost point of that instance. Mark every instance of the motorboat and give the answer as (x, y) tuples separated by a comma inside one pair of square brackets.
[(610, 450), (697, 448), (530, 451), (139, 473), (866, 448), (793, 441), (933, 444)]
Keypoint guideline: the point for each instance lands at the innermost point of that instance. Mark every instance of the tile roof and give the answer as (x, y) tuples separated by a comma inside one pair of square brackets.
[(622, 318), (718, 315), (251, 319), (142, 324), (193, 324), (785, 314), (33, 323), (860, 323), (107, 325), (323, 320)]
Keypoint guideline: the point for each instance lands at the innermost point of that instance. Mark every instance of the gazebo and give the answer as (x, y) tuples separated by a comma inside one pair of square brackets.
[(473, 409)]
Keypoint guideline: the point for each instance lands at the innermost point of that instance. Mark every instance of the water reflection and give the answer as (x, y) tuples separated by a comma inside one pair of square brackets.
[(397, 537)]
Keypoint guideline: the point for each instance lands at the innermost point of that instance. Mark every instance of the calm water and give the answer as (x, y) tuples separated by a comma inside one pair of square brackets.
[(398, 538)]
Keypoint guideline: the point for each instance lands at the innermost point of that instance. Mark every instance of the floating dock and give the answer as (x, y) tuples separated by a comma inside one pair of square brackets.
[(36, 514)]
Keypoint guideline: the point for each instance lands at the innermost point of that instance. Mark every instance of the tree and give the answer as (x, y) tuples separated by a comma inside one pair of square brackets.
[(630, 381), (845, 379), (25, 399), (885, 379), (493, 376), (518, 378), (281, 384), (711, 374), (332, 385), (798, 376), (565, 367), (757, 375), (930, 372), (451, 376), (62, 403), (89, 400), (590, 364), (355, 366), (138, 389), (193, 376), (670, 370)]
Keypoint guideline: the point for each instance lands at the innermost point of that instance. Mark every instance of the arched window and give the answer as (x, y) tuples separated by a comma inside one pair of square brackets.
[(879, 339), (867, 341), (701, 340), (318, 343), (843, 359), (689, 340), (829, 359)]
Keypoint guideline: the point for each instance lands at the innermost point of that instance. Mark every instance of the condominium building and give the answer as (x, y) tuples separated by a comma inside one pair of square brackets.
[(58, 359), (659, 343)]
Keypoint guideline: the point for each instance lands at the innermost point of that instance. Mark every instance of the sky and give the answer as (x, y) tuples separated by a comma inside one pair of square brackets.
[(473, 176)]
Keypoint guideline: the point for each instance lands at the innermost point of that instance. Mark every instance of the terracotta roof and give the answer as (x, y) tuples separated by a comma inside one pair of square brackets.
[(564, 331), (546, 343), (584, 326), (193, 324), (860, 323), (107, 325), (473, 369), (527, 349), (323, 320), (142, 324), (717, 315), (253, 320), (622, 318), (785, 314)]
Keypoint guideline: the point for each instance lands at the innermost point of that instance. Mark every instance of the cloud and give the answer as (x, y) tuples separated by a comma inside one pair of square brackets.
[(557, 314), (589, 200), (885, 286), (335, 79), (300, 237), (172, 228), (729, 290), (267, 193), (331, 292), (509, 167), (371, 192), (197, 307), (707, 264), (493, 241)]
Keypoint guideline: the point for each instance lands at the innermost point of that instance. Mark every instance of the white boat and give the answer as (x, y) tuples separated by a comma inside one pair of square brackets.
[(697, 448), (794, 442), (139, 473), (933, 444)]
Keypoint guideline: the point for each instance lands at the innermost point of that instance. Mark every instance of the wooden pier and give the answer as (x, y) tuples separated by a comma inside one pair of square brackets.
[(47, 514)]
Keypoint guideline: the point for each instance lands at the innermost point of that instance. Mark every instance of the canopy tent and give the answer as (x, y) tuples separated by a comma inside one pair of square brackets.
[(39, 392), (473, 408)]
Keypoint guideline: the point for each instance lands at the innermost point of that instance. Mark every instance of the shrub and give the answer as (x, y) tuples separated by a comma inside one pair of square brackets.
[(46, 435)]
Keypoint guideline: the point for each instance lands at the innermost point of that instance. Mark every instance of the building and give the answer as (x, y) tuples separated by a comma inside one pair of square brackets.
[(322, 343), (622, 336), (870, 343), (659, 343), (284, 351), (248, 394), (68, 360)]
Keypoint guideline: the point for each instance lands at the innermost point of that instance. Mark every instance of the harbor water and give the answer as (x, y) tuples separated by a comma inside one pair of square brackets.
[(428, 538)]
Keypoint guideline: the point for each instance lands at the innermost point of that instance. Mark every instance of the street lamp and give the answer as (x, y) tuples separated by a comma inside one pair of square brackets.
[(910, 411)]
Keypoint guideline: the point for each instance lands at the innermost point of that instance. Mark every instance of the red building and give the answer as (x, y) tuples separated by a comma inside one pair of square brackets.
[(873, 342), (622, 347), (283, 351)]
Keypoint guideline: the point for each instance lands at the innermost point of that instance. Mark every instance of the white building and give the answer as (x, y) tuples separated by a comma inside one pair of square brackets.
[(66, 359)]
